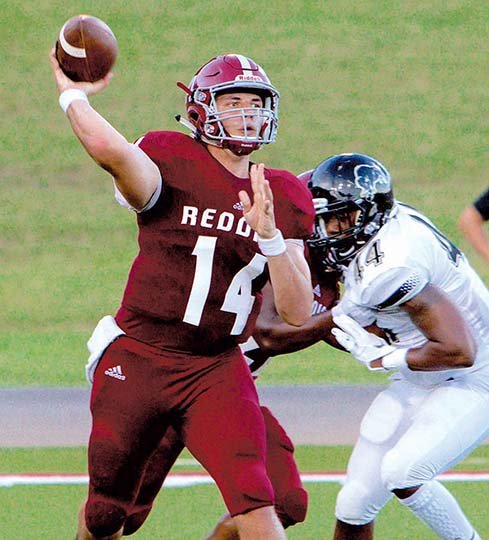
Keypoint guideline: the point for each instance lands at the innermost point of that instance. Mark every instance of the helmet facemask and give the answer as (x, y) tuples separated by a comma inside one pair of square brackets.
[(336, 249)]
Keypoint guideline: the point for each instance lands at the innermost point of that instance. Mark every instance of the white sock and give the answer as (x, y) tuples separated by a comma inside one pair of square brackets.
[(435, 506)]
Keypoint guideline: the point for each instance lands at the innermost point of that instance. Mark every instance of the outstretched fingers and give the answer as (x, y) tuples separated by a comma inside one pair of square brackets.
[(245, 201), (258, 209), (357, 332), (262, 192)]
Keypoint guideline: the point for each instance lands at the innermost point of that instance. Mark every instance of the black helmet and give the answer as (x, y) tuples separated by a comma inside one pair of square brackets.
[(340, 185)]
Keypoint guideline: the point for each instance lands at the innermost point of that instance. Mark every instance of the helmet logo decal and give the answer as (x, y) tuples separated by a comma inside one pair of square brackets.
[(370, 179), (248, 78)]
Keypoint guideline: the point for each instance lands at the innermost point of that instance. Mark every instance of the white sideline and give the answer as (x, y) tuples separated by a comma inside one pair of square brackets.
[(187, 480)]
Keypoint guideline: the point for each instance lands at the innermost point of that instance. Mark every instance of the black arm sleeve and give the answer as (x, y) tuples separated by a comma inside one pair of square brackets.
[(482, 205)]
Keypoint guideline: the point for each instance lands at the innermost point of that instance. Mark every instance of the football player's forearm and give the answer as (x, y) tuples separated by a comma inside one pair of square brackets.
[(292, 290), (103, 143), (437, 357), (450, 342), (291, 282), (471, 223), (479, 239), (277, 337)]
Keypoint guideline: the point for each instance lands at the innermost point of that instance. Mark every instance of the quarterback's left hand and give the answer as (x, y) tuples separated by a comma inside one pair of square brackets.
[(259, 213), (363, 345)]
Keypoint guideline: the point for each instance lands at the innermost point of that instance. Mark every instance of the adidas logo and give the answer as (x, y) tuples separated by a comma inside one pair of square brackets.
[(317, 290), (238, 206), (115, 372)]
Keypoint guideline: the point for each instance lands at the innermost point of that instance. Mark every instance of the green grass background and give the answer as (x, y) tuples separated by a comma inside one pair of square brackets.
[(403, 81), (180, 514)]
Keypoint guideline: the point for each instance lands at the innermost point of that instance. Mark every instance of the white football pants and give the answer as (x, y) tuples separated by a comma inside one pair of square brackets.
[(409, 435)]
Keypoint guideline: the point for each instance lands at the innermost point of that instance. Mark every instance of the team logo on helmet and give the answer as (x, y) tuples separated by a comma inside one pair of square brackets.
[(370, 179), (248, 78)]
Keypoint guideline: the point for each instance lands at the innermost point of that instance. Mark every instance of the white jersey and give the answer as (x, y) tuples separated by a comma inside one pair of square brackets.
[(405, 255)]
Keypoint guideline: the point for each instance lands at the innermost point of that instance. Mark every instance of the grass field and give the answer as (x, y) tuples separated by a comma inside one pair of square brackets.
[(184, 513), (188, 513), (405, 82)]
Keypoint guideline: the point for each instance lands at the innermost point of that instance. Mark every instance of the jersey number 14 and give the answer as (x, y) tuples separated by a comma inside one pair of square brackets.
[(238, 299)]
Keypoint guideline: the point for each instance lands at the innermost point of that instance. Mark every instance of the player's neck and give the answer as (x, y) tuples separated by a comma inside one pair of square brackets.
[(237, 165)]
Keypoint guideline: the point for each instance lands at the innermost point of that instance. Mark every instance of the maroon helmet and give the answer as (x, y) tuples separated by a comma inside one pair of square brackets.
[(226, 74)]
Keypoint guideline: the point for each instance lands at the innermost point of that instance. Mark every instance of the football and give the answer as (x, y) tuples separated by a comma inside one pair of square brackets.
[(86, 48)]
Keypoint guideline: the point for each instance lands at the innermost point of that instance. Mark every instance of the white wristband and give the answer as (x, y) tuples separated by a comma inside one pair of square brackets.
[(67, 97), (395, 360), (270, 247)]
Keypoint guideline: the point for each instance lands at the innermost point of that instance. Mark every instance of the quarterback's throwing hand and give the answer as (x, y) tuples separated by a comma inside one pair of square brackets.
[(363, 345), (64, 83), (259, 213)]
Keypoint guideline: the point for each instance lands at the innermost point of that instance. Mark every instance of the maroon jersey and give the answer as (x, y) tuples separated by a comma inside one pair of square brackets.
[(326, 288), (194, 286)]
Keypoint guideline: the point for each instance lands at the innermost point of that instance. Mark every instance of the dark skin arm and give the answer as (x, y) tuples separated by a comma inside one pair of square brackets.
[(450, 342), (277, 337)]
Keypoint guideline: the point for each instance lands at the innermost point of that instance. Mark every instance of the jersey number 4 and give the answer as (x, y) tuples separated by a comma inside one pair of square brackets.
[(238, 299)]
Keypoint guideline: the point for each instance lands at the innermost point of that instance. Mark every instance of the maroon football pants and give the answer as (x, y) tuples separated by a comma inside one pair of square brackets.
[(211, 402), (290, 496)]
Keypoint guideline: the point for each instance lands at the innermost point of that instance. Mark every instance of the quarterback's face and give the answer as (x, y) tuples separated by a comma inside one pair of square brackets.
[(237, 115)]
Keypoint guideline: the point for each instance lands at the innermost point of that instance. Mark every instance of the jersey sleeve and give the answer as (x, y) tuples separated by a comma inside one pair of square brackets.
[(152, 146), (173, 153), (482, 205), (159, 146), (119, 197), (294, 211), (394, 287)]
